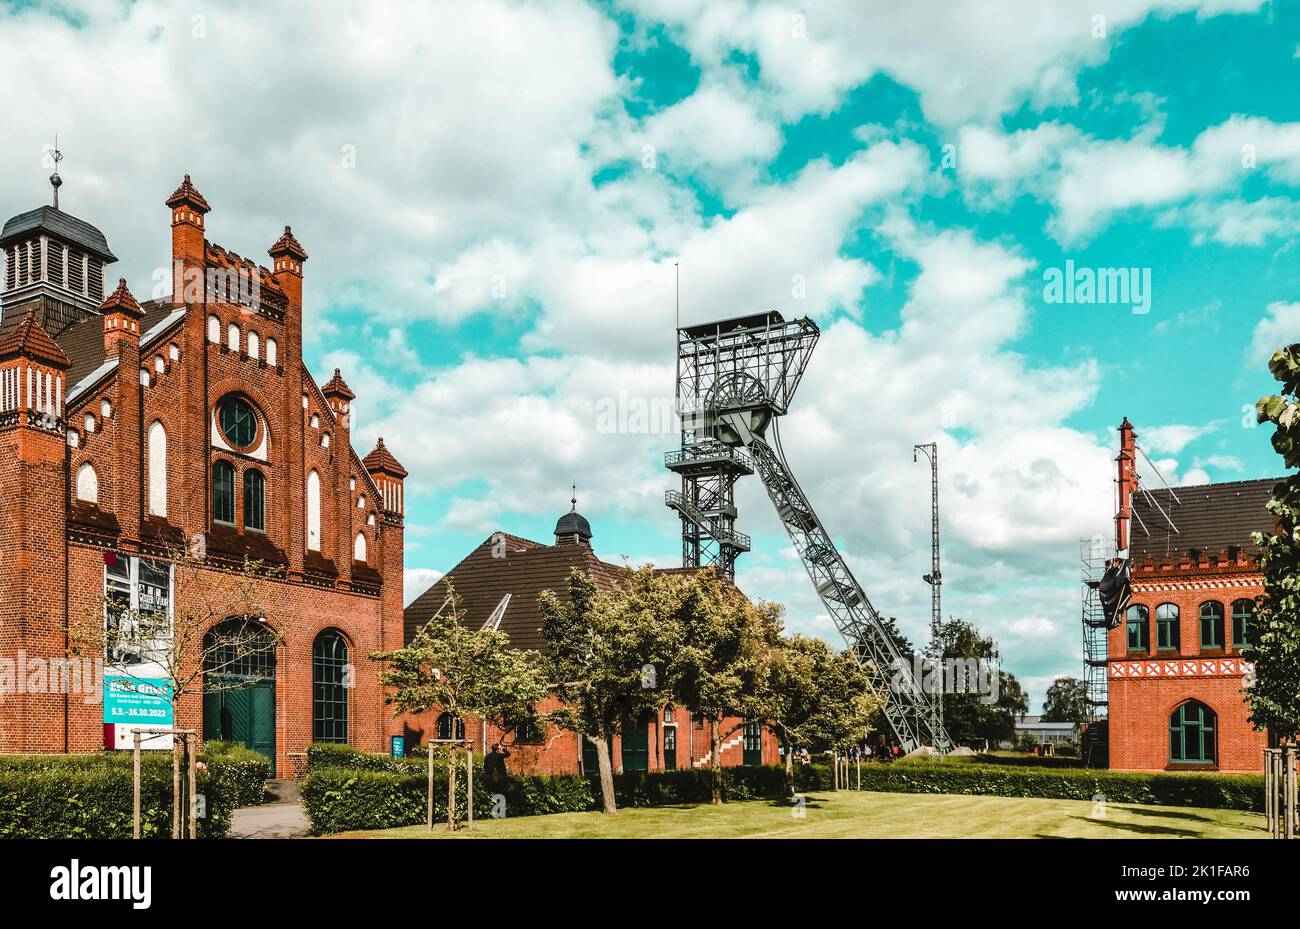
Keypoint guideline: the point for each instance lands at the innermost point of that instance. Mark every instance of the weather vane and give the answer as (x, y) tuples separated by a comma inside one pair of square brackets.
[(55, 181)]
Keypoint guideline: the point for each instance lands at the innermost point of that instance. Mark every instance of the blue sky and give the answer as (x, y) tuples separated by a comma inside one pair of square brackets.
[(494, 195)]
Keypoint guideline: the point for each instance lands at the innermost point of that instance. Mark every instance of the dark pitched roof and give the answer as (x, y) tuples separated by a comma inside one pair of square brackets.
[(287, 245), (83, 341), (527, 569), (1210, 518), (338, 387), (381, 459), (62, 226), (121, 299), (573, 523), (30, 340), (188, 193)]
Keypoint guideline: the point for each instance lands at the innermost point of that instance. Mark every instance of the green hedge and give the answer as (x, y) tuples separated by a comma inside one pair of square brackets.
[(91, 796), (1216, 791), (347, 789), (247, 770)]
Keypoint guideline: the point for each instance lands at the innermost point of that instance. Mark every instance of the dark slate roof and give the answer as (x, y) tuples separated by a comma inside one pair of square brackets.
[(573, 523), (1210, 518), (83, 342), (527, 569), (60, 225)]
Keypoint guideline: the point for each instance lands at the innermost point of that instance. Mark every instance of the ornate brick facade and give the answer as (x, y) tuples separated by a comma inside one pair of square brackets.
[(1195, 576), (116, 425)]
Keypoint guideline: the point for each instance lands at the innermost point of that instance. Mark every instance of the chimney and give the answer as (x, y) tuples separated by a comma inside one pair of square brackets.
[(122, 316), (1127, 482), (189, 257)]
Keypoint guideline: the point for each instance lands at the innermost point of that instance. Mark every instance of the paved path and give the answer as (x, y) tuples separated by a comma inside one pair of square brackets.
[(282, 817)]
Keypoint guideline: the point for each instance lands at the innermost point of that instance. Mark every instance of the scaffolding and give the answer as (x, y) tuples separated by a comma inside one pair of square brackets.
[(1093, 556), (735, 379)]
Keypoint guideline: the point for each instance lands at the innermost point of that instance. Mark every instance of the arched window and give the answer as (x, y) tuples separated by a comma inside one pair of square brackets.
[(447, 723), (87, 484), (214, 330), (1167, 627), (254, 500), (232, 337), (359, 547), (254, 346), (157, 469), (1191, 734), (89, 422), (270, 352), (313, 511), (1139, 625), (223, 492), (1212, 624), (325, 440), (329, 687), (361, 502), (1243, 615)]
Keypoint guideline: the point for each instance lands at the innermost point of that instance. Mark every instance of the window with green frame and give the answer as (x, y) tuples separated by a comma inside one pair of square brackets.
[(254, 500), (447, 725), (1167, 627), (1191, 734), (1243, 615), (1139, 628), (329, 687), (223, 492), (529, 732), (1212, 624)]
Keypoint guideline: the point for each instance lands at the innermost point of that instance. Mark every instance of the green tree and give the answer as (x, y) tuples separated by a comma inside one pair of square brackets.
[(968, 715), (1274, 696), (1066, 701), (465, 672), (721, 664), (815, 698), (606, 655)]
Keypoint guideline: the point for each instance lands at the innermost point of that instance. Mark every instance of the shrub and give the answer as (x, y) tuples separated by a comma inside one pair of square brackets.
[(92, 796), (247, 771), (1219, 791)]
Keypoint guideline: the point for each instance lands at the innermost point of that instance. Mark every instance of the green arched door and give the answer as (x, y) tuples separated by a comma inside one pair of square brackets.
[(239, 685)]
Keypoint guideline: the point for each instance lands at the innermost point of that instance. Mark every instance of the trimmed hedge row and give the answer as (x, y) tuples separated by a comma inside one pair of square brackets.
[(347, 789), (246, 770), (1215, 791), (92, 797)]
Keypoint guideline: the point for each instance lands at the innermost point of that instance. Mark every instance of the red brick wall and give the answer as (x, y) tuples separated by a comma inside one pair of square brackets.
[(1145, 687), (34, 532)]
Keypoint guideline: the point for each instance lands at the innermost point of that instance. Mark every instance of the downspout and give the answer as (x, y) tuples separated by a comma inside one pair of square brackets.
[(67, 554)]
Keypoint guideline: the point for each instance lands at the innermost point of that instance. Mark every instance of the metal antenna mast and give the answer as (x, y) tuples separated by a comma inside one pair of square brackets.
[(735, 379), (935, 577)]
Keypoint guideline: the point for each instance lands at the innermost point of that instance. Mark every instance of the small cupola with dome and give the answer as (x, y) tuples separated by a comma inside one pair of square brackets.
[(572, 528), (53, 265)]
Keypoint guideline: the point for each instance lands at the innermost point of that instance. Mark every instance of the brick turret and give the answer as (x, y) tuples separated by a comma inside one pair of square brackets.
[(122, 315), (33, 549), (1126, 485)]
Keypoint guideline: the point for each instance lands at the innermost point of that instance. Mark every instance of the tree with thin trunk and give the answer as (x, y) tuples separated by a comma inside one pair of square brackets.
[(1273, 692), (464, 672), (719, 669), (606, 651), (815, 698)]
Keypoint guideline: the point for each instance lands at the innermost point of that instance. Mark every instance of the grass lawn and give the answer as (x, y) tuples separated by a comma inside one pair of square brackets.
[(869, 815)]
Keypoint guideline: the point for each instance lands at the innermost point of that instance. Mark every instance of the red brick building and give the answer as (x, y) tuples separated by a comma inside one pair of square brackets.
[(499, 583), (128, 429), (1174, 670)]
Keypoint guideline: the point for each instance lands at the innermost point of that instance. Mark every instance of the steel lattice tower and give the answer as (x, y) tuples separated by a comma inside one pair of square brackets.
[(935, 577), (735, 379)]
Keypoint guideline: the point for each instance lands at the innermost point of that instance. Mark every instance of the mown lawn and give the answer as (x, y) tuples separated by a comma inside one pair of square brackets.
[(849, 814)]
